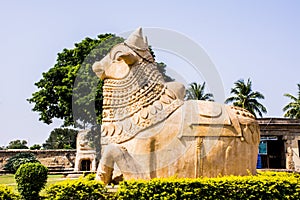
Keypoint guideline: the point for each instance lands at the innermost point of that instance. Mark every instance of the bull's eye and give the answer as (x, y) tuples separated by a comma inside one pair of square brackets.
[(116, 55), (118, 50)]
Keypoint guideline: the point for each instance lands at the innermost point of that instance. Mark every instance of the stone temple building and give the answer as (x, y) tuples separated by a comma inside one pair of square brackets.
[(279, 143)]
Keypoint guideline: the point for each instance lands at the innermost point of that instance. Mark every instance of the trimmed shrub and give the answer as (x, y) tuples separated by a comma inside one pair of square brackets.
[(263, 186), (17, 160), (6, 193), (83, 188), (90, 176), (31, 178)]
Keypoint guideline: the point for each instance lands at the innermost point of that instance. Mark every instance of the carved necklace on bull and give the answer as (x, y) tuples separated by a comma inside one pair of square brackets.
[(136, 102)]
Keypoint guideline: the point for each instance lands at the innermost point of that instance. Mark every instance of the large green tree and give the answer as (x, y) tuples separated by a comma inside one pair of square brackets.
[(70, 87), (292, 109), (196, 91), (61, 138), (70, 90), (244, 97)]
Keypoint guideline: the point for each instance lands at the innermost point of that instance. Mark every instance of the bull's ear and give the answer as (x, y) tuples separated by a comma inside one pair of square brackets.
[(128, 58)]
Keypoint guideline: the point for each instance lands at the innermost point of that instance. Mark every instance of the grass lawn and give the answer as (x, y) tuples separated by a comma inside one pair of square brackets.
[(9, 179), (55, 178)]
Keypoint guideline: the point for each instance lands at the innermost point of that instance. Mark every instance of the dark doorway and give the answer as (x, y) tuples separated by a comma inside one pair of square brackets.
[(85, 165), (274, 157)]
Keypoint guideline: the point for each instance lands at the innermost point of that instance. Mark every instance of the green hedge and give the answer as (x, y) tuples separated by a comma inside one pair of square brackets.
[(266, 185), (6, 193), (82, 188), (263, 186)]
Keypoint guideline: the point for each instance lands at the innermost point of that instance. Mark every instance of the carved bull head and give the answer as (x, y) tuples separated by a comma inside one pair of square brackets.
[(116, 64)]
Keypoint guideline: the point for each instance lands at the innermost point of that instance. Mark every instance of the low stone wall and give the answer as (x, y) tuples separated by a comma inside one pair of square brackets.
[(53, 159)]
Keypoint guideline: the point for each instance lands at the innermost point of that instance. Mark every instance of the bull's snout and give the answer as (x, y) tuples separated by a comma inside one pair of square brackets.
[(98, 69), (100, 66)]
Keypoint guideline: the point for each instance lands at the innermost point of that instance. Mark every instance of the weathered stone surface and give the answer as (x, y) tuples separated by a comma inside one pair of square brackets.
[(85, 152), (164, 135)]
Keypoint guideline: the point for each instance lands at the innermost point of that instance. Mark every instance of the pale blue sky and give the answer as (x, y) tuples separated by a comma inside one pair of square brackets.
[(256, 39)]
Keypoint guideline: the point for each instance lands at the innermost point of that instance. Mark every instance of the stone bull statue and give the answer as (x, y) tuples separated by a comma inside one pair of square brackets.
[(149, 131)]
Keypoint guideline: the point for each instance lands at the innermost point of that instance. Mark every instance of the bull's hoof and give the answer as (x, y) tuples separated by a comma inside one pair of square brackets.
[(117, 179), (105, 175)]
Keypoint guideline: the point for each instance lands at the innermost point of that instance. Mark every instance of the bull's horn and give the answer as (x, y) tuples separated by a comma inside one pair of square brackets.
[(146, 41), (136, 40)]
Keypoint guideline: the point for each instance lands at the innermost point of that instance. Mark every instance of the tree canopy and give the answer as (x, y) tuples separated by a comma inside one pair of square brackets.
[(35, 147), (58, 92), (244, 97), (292, 109), (197, 92), (17, 144), (70, 90), (14, 162), (61, 138)]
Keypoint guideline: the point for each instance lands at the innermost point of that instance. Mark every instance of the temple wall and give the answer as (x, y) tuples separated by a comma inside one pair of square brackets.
[(53, 159)]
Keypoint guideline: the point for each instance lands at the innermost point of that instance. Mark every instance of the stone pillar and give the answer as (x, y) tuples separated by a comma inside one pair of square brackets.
[(290, 164), (77, 164), (94, 165)]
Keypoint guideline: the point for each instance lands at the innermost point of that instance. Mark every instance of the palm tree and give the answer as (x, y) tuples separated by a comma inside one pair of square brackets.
[(196, 92), (244, 97), (292, 110)]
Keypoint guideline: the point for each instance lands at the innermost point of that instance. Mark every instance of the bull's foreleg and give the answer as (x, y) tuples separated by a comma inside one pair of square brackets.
[(105, 167), (104, 173), (117, 154)]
